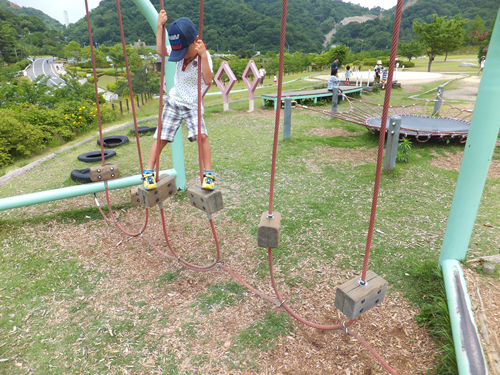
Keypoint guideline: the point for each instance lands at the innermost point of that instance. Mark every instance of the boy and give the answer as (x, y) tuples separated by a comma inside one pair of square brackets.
[(182, 100)]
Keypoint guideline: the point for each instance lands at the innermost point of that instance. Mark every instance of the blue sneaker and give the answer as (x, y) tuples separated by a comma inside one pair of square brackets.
[(208, 181), (148, 178)]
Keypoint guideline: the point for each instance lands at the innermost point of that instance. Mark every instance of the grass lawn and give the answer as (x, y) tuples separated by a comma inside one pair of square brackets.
[(79, 296)]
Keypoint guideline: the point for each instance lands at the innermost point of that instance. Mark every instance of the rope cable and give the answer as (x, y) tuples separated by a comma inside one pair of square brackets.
[(96, 90)]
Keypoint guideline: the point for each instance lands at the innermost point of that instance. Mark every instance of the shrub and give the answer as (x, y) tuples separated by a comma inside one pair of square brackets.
[(18, 139)]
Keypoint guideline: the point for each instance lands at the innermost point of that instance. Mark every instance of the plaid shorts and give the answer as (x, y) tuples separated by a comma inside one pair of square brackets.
[(172, 116)]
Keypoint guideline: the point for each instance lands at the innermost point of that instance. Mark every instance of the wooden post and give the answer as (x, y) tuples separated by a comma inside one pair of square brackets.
[(121, 107), (126, 100), (137, 100)]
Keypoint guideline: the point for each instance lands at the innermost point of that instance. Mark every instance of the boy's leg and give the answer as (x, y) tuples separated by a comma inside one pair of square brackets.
[(153, 152), (206, 154), (171, 121)]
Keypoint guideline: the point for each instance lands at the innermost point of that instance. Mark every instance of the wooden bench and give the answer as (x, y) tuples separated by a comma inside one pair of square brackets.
[(315, 94)]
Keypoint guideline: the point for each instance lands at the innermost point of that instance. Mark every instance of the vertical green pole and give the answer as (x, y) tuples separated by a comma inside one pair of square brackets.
[(477, 156), (149, 11)]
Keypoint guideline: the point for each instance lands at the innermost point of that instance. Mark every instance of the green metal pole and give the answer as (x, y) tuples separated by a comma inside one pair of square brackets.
[(72, 191), (470, 356), (149, 11), (477, 156)]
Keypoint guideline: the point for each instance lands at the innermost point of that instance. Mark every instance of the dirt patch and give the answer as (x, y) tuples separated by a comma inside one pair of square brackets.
[(389, 328), (490, 295), (452, 161)]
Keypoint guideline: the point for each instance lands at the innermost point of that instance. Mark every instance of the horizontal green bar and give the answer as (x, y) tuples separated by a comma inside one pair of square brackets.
[(72, 191)]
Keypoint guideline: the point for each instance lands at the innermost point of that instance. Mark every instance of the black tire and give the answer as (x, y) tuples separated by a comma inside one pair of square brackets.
[(113, 141), (143, 129), (81, 175), (95, 156)]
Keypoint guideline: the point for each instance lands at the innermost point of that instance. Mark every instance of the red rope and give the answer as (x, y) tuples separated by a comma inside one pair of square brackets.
[(200, 146), (162, 84), (381, 140), (100, 125), (278, 107)]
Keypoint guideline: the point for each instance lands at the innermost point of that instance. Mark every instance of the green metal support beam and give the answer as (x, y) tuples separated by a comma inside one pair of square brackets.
[(72, 191)]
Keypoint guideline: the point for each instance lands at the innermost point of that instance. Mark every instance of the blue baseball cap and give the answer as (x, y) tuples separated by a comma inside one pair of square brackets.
[(181, 34)]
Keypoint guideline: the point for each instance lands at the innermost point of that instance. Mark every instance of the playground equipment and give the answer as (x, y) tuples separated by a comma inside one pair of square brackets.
[(418, 120), (480, 144)]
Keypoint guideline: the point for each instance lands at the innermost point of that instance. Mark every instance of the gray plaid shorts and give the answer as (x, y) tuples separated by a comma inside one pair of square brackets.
[(172, 116)]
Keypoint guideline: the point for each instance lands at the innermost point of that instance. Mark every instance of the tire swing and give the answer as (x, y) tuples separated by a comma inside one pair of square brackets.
[(143, 130), (95, 156), (113, 141), (81, 175)]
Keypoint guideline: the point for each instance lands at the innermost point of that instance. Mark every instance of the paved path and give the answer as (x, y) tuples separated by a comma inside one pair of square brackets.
[(45, 67)]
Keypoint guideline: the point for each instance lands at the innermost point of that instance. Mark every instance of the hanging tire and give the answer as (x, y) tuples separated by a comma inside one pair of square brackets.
[(143, 130), (95, 156), (113, 141), (81, 175)]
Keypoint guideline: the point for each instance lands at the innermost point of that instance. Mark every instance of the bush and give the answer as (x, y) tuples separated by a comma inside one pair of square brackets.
[(18, 139), (407, 64)]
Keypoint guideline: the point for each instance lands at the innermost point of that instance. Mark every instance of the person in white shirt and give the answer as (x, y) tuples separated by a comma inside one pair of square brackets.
[(481, 65), (262, 73), (182, 100)]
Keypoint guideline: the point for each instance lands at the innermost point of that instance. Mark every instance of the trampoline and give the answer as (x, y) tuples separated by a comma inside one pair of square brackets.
[(426, 126), (418, 120)]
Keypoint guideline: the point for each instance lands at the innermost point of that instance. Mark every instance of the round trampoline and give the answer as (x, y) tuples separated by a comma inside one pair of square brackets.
[(414, 125)]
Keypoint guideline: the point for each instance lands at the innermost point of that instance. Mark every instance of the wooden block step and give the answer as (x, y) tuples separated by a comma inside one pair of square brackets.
[(353, 299), (165, 188), (134, 196), (209, 201), (104, 172), (269, 230)]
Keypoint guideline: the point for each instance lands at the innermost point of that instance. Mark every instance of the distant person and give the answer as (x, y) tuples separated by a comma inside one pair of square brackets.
[(378, 71), (262, 73), (383, 79), (481, 65), (275, 80), (182, 100), (335, 67), (347, 74)]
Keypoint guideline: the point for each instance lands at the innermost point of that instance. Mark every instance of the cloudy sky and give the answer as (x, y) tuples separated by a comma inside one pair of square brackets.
[(76, 8)]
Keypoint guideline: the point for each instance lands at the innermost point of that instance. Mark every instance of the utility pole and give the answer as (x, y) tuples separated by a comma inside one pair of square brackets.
[(32, 48)]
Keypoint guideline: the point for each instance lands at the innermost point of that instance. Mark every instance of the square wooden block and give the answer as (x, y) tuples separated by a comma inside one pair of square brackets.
[(269, 231), (353, 299), (104, 172), (209, 201), (134, 196), (165, 188)]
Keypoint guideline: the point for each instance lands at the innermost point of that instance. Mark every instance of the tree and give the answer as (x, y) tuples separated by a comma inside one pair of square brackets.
[(437, 35), (73, 51), (456, 33), (476, 31), (410, 50)]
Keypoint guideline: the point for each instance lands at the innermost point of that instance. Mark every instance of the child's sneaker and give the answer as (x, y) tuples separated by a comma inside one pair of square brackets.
[(148, 178), (208, 181)]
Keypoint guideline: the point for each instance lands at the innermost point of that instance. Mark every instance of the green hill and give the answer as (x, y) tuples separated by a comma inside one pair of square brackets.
[(25, 11), (377, 33), (232, 25)]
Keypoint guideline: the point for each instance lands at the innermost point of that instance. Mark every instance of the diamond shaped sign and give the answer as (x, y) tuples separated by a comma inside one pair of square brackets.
[(251, 86), (224, 67)]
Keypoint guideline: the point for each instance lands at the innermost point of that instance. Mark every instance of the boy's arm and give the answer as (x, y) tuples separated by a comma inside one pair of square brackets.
[(161, 49), (202, 52)]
